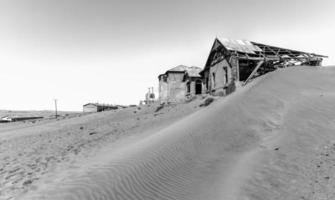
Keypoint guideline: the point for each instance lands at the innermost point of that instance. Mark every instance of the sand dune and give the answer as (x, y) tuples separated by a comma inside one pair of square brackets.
[(31, 151), (274, 139)]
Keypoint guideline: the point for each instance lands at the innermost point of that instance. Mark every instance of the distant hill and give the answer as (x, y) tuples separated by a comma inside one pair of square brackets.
[(34, 113)]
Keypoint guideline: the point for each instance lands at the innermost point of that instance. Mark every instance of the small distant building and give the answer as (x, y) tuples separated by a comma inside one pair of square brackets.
[(150, 96), (17, 118), (178, 83), (96, 107)]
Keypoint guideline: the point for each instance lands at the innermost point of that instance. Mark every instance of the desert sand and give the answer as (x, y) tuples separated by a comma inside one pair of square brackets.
[(32, 151), (273, 139)]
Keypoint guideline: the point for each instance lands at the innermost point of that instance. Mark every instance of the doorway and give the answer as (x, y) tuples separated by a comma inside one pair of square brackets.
[(245, 68), (198, 87)]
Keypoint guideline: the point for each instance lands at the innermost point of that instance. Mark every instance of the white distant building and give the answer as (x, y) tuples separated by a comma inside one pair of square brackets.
[(96, 107)]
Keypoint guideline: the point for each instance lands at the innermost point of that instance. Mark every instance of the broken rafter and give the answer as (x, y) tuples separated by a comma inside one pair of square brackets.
[(284, 50), (253, 72)]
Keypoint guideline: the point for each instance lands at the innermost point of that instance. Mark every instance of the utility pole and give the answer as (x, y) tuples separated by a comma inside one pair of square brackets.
[(56, 108)]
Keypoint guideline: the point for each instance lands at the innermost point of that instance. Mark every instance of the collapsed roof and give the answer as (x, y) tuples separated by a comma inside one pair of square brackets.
[(244, 49)]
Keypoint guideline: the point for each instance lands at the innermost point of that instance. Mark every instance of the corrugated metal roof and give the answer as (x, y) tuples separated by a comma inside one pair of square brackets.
[(239, 45)]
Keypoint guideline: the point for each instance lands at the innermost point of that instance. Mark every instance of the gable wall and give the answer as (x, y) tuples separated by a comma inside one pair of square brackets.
[(226, 74), (219, 76)]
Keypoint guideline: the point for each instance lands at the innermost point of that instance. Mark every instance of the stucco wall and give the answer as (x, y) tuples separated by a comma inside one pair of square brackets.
[(163, 90), (176, 87), (218, 76), (221, 78), (192, 84)]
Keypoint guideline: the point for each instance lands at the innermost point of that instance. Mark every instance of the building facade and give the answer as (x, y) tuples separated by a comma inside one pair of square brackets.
[(193, 80), (179, 83)]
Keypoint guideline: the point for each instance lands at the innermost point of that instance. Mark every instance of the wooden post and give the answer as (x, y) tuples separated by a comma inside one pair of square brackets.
[(56, 115), (237, 69)]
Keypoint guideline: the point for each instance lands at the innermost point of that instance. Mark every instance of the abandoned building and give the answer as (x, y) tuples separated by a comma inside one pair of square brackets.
[(96, 107), (230, 63), (235, 62), (17, 118), (180, 82)]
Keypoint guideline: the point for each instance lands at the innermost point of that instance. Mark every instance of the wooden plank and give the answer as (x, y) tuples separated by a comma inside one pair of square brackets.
[(260, 58), (237, 70), (253, 72)]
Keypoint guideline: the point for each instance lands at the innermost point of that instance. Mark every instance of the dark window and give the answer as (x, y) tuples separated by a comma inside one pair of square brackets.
[(226, 74), (213, 80)]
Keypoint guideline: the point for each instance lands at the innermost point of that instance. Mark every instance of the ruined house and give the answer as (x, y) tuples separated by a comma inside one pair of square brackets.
[(234, 62), (179, 83)]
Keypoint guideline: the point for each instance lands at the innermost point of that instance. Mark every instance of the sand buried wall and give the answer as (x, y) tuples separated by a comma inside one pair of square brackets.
[(215, 152)]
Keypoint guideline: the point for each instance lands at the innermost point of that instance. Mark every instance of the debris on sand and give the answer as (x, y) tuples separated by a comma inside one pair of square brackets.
[(160, 107), (207, 102)]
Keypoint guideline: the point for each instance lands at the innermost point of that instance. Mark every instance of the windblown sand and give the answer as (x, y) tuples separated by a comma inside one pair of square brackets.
[(35, 152), (274, 139)]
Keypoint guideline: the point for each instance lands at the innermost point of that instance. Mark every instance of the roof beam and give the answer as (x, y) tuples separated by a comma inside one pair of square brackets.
[(287, 50)]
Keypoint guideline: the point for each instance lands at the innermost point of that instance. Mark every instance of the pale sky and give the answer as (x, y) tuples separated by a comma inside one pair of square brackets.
[(81, 51)]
